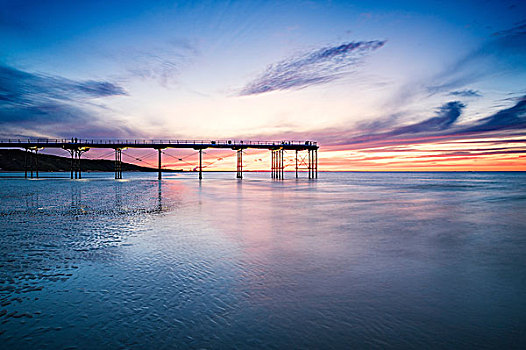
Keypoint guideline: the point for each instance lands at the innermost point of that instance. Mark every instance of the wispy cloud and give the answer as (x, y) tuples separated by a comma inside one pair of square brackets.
[(42, 102), (444, 126), (513, 39), (317, 67), (466, 93), (513, 118), (445, 118), (505, 46), (496, 142), (162, 63)]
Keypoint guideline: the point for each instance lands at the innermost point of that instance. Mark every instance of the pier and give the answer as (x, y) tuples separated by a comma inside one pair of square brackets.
[(76, 147)]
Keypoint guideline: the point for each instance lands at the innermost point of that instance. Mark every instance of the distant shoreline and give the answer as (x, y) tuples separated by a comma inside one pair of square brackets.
[(13, 160), (267, 171)]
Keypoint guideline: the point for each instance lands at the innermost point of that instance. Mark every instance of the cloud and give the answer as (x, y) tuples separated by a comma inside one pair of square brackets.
[(503, 51), (160, 63), (444, 126), (465, 93), (511, 40), (99, 88), (513, 118), (446, 116), (19, 88), (519, 29), (39, 102), (317, 67), (154, 66)]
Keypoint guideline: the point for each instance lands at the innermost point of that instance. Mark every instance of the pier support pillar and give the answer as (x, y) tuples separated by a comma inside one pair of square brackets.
[(79, 168), (281, 165), (315, 163), (273, 164), (200, 164), (277, 164), (36, 162), (31, 162), (296, 164), (159, 166), (239, 163), (309, 163), (76, 169), (72, 152), (312, 163), (118, 163), (25, 163)]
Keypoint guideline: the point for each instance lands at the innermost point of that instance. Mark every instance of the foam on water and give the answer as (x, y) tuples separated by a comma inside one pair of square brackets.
[(406, 260)]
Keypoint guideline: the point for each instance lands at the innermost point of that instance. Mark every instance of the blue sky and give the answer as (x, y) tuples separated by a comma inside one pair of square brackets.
[(327, 70)]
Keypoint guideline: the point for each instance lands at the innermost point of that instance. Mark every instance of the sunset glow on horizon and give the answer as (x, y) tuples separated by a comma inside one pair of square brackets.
[(381, 86)]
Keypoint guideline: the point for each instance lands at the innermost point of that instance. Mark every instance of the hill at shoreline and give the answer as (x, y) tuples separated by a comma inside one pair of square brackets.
[(14, 160)]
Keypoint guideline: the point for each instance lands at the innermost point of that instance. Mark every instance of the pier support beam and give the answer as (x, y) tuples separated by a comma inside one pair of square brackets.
[(239, 163), (118, 163), (277, 164), (31, 162), (72, 153), (315, 163), (296, 164), (76, 169), (200, 164), (309, 163), (273, 164), (159, 165), (79, 170), (282, 165), (79, 167), (26, 163), (36, 162)]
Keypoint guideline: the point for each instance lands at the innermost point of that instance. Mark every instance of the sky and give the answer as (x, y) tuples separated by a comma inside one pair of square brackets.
[(380, 85)]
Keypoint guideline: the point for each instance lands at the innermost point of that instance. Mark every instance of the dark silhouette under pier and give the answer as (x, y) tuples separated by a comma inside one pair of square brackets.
[(76, 147)]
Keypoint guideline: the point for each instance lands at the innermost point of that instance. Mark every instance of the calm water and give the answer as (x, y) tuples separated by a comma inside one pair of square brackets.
[(352, 260)]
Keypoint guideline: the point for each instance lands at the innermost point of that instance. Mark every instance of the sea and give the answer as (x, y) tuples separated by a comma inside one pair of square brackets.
[(351, 260)]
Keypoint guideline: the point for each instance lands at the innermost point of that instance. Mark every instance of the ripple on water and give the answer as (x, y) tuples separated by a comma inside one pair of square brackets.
[(48, 229), (350, 261)]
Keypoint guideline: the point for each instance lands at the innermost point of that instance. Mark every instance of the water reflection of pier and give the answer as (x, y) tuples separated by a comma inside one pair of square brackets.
[(73, 200), (76, 147), (150, 201)]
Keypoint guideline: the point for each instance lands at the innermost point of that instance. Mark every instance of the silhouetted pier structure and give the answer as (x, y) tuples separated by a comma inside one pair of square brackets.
[(76, 147)]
